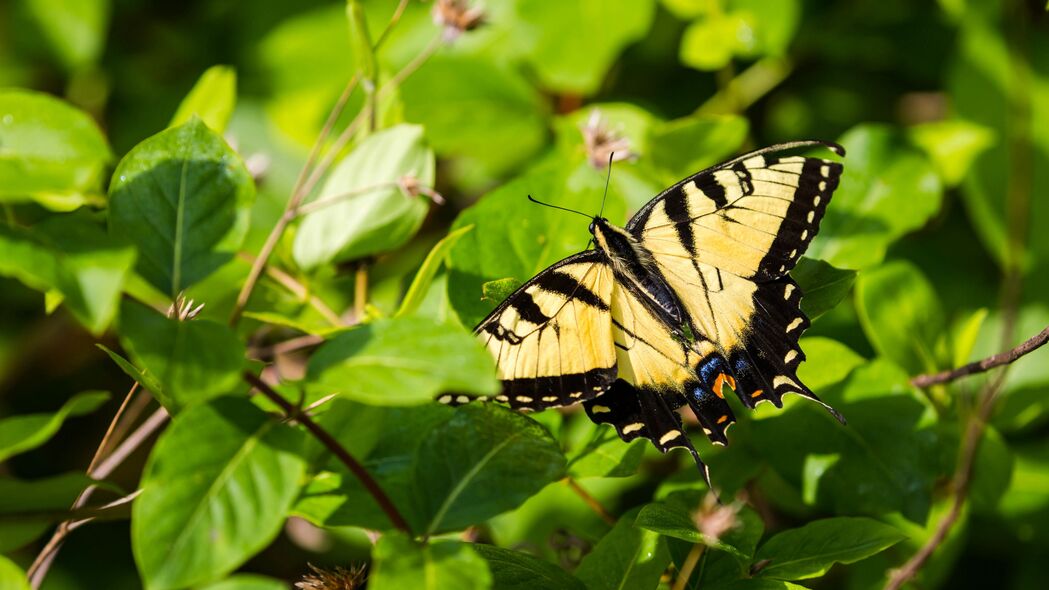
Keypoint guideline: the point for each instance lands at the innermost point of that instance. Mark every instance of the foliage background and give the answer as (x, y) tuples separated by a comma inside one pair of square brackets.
[(942, 106)]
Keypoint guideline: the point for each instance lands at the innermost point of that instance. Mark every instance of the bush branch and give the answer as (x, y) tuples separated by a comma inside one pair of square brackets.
[(1002, 358), (336, 449)]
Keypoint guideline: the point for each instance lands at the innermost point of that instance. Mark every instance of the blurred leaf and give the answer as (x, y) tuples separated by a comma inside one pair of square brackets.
[(11, 576), (399, 562), (475, 108), (710, 41), (19, 434), (53, 494), (514, 570), (901, 315), (374, 363), (812, 472), (723, 567), (147, 380), (216, 490), (74, 262), (484, 460), (52, 152), (829, 362), (823, 285), (889, 453), (675, 519), (888, 189), (603, 454), (627, 557), (424, 277), (75, 29), (379, 219), (246, 582), (992, 472), (952, 146), (212, 99), (965, 337), (183, 197), (573, 45), (192, 360), (809, 551), (685, 146), (768, 27)]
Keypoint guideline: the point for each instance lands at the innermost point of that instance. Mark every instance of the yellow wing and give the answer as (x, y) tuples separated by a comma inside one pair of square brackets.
[(552, 338)]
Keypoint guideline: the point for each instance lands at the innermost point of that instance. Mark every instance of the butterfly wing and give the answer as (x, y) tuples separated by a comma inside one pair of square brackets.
[(552, 338)]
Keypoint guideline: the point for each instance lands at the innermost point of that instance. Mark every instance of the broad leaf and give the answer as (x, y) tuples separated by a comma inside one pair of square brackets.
[(601, 453), (888, 189), (375, 364), (19, 434), (676, 517), (11, 576), (75, 29), (144, 379), (952, 146), (424, 278), (514, 570), (723, 567), (29, 508), (823, 285), (685, 146), (52, 152), (901, 315), (627, 557), (379, 216), (212, 99), (829, 362), (183, 197), (192, 360), (215, 491), (399, 562), (809, 551)]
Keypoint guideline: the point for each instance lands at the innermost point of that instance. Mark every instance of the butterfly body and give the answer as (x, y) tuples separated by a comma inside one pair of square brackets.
[(693, 294)]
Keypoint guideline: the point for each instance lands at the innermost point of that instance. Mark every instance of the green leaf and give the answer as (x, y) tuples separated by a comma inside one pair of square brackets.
[(470, 468), (627, 557), (514, 570), (424, 278), (52, 152), (809, 551), (11, 576), (380, 218), (952, 146), (829, 362), (965, 337), (399, 562), (823, 285), (572, 46), (373, 364), (192, 360), (901, 315), (215, 491), (710, 42), (183, 197), (685, 146), (601, 453), (721, 567), (888, 189), (73, 261), (504, 123), (675, 518), (147, 380), (19, 434), (75, 29), (246, 582), (24, 506), (212, 99), (992, 472)]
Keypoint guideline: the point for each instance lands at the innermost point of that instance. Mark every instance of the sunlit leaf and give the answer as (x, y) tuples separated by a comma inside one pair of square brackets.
[(183, 197), (212, 99), (514, 570), (823, 285), (809, 551), (685, 146), (215, 491), (424, 278), (29, 508), (952, 146), (19, 434), (829, 361), (627, 557), (11, 576), (400, 562)]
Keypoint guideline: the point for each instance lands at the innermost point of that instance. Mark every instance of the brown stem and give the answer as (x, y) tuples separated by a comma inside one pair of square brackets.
[(688, 566), (590, 501), (336, 449), (413, 65), (40, 566), (1002, 358), (360, 291), (112, 426), (396, 18), (298, 289), (291, 345), (312, 206)]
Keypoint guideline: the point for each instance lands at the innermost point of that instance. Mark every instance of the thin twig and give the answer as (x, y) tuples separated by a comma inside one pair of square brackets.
[(396, 18), (590, 501), (688, 566), (291, 345), (360, 291), (413, 65), (298, 289), (38, 570), (336, 449), (312, 206), (112, 426), (1002, 358)]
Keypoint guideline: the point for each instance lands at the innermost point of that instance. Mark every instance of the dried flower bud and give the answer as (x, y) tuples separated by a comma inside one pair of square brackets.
[(183, 310), (339, 578), (456, 17), (603, 142), (713, 520), (411, 187)]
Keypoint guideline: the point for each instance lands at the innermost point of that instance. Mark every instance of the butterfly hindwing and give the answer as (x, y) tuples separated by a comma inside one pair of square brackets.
[(552, 338)]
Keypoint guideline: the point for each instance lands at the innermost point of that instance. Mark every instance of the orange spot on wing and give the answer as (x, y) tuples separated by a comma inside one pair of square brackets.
[(757, 393), (722, 419)]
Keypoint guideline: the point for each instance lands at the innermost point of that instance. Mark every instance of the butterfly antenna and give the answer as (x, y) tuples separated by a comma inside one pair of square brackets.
[(538, 202), (607, 178)]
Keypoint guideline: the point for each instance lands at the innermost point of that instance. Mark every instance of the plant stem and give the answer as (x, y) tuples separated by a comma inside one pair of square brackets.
[(360, 291), (336, 449), (688, 566), (590, 501), (1002, 358)]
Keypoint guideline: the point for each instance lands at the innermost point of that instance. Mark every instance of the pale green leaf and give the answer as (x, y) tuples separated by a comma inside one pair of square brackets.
[(401, 563), (212, 99), (424, 277), (21, 433), (952, 146), (11, 576)]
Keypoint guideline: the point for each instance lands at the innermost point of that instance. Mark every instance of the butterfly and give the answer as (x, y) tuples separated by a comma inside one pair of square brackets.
[(693, 294)]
